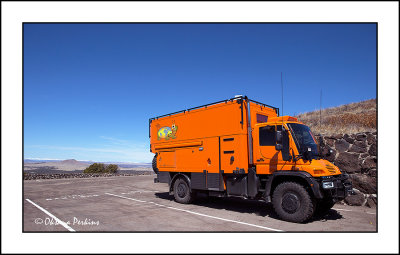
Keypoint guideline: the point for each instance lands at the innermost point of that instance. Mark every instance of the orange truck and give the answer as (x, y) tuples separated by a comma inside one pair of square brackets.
[(242, 148)]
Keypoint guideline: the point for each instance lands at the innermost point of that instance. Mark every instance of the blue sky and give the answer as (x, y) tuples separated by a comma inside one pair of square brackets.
[(89, 89)]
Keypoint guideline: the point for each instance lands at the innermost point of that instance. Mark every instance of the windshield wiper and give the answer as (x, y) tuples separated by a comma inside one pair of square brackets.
[(297, 157)]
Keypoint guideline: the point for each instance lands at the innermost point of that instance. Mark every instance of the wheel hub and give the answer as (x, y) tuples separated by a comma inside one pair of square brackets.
[(181, 190), (290, 202)]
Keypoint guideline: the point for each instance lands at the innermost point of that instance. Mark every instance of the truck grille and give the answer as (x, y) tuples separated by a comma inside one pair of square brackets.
[(331, 169)]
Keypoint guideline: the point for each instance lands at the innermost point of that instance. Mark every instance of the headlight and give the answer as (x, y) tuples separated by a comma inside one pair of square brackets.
[(327, 185)]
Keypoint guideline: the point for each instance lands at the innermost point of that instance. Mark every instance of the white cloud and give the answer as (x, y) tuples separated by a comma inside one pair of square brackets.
[(121, 154)]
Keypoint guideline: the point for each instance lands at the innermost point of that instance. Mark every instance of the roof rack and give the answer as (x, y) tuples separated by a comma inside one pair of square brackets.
[(222, 101)]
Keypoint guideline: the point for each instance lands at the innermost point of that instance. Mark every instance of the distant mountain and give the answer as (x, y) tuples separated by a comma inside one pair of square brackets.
[(40, 160), (72, 162), (66, 165), (47, 165), (81, 161)]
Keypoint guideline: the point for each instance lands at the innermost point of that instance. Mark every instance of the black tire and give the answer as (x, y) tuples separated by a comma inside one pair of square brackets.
[(182, 192), (154, 164), (323, 207), (292, 202)]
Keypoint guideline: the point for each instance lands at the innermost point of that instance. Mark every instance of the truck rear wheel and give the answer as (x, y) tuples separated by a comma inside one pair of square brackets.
[(292, 202), (182, 193), (154, 164)]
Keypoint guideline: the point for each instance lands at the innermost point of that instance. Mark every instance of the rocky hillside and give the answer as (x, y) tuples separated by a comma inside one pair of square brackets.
[(345, 119)]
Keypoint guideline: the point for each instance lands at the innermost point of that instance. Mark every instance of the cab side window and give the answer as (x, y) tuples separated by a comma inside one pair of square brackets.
[(261, 118), (267, 136)]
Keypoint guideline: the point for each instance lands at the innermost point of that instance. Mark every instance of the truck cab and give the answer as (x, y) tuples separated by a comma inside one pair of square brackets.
[(285, 150), (286, 144)]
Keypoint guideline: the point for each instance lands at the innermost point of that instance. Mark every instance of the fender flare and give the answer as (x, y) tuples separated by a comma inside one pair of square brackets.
[(176, 177), (312, 182)]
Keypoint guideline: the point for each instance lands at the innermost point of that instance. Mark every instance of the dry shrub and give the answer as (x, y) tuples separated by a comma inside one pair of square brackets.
[(367, 120), (351, 118)]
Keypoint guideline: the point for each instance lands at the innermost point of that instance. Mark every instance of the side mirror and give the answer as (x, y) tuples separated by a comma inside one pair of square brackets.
[(278, 136), (308, 154)]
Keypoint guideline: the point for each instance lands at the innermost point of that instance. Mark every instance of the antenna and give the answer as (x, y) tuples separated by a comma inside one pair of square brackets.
[(320, 111), (282, 99)]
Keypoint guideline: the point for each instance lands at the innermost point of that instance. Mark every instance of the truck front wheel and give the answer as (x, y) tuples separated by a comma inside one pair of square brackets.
[(292, 202), (182, 193)]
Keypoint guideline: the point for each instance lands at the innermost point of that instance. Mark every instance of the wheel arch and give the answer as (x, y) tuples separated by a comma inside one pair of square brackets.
[(175, 177), (300, 177)]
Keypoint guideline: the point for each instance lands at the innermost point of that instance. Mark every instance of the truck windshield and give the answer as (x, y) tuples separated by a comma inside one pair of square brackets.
[(304, 139)]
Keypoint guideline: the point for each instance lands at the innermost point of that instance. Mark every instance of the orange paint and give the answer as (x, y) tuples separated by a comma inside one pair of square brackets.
[(216, 137)]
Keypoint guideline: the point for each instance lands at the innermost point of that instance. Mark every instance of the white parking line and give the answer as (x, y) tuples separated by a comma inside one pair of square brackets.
[(62, 223), (73, 197), (342, 210), (346, 210), (195, 213), (139, 191)]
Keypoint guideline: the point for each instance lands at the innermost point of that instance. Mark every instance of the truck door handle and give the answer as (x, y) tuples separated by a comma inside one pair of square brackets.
[(260, 159)]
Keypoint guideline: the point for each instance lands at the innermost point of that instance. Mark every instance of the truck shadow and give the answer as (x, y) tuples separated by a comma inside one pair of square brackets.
[(240, 205)]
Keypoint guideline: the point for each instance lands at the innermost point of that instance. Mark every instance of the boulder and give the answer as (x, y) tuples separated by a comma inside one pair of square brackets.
[(330, 141), (371, 139), (372, 150), (348, 138), (338, 136), (348, 162), (362, 144), (357, 199), (342, 145), (364, 183), (371, 202), (369, 163), (359, 147), (361, 137), (372, 172)]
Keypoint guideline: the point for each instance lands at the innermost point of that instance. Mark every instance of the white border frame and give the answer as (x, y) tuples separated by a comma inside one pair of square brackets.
[(385, 13)]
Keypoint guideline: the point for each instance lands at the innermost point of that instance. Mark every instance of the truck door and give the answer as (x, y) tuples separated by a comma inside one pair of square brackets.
[(266, 157)]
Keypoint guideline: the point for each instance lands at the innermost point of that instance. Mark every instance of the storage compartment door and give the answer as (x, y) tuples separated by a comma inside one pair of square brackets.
[(167, 159)]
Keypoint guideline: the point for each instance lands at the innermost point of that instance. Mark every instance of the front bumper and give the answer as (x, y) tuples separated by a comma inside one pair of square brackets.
[(337, 186)]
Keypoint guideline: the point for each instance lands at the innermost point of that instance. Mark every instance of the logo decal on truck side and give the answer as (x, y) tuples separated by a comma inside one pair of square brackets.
[(167, 132)]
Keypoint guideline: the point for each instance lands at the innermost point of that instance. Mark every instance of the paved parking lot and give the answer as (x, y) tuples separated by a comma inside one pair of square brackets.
[(135, 204)]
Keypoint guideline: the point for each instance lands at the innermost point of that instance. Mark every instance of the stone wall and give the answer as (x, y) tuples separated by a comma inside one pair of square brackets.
[(34, 176), (356, 155)]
